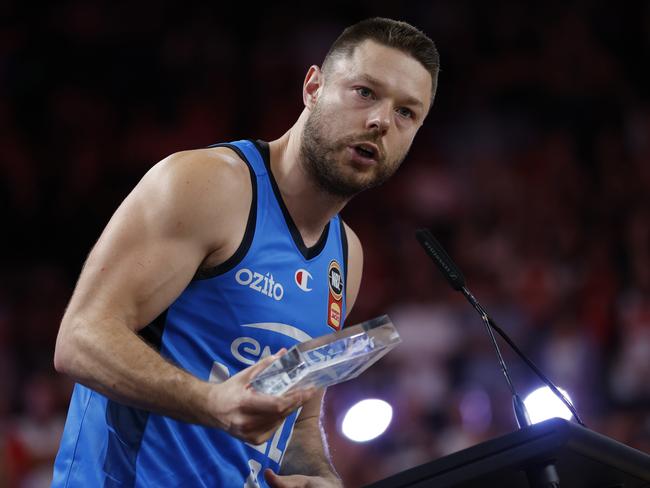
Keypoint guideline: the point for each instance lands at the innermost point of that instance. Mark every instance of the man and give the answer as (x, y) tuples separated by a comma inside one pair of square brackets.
[(220, 256)]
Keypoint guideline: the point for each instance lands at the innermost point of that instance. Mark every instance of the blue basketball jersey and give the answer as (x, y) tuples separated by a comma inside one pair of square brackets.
[(273, 292)]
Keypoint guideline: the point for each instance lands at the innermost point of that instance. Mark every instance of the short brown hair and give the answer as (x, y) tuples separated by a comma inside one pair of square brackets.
[(392, 33)]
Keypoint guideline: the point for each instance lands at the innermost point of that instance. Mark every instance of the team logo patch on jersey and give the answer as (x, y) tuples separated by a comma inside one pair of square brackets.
[(302, 278), (335, 301), (335, 280)]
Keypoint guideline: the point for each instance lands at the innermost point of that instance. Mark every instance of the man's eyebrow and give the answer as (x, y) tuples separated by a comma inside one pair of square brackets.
[(374, 81)]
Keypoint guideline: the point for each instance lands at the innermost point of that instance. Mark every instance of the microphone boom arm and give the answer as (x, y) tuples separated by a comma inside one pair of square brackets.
[(457, 281)]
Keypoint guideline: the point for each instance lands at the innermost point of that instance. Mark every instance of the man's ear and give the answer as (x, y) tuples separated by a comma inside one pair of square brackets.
[(312, 85)]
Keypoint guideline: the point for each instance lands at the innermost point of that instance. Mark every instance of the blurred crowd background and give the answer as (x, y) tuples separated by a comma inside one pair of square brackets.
[(533, 170)]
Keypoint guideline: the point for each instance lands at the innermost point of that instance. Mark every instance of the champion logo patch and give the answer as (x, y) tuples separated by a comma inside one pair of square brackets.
[(302, 278)]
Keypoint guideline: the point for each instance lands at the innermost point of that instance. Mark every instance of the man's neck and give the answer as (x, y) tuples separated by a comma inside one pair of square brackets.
[(310, 207)]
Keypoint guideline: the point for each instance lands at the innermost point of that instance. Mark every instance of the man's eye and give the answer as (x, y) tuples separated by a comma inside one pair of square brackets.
[(405, 112), (364, 92)]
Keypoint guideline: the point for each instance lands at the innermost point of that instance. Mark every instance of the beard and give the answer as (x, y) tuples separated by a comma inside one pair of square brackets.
[(318, 154)]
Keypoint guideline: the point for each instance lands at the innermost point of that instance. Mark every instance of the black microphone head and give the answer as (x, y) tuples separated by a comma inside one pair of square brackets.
[(446, 266)]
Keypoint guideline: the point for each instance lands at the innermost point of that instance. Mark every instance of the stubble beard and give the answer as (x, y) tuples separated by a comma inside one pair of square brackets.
[(319, 157)]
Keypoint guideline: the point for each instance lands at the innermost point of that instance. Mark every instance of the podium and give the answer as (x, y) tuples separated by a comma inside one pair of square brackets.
[(582, 459)]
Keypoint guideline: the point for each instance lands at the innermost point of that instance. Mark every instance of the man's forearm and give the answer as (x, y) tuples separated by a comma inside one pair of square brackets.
[(113, 360), (110, 358), (307, 452)]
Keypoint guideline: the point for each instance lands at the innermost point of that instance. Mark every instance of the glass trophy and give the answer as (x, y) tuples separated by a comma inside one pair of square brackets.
[(329, 359)]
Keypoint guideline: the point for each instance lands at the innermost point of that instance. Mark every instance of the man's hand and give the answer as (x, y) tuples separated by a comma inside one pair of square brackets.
[(248, 414), (299, 481)]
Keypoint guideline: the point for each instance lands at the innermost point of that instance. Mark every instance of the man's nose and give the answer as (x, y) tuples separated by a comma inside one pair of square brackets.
[(379, 118)]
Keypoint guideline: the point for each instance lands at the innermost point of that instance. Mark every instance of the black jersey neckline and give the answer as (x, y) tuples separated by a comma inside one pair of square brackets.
[(307, 252)]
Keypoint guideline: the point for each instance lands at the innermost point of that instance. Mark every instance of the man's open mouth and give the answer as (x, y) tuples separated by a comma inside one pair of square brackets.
[(366, 151)]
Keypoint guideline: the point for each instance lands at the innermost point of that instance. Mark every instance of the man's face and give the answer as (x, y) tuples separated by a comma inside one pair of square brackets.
[(364, 119)]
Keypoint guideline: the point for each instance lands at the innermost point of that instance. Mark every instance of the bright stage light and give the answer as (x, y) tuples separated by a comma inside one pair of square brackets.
[(542, 404), (366, 420)]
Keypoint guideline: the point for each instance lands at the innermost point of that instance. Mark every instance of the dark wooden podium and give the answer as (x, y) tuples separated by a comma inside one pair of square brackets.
[(582, 458)]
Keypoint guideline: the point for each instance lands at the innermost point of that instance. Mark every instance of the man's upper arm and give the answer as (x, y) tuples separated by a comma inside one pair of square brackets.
[(181, 211)]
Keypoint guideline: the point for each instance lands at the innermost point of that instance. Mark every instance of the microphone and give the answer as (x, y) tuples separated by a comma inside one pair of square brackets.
[(457, 281), (435, 251)]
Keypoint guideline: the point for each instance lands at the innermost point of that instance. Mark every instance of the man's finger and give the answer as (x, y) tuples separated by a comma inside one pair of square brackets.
[(272, 479), (276, 481), (298, 398), (256, 402), (306, 394), (291, 481), (293, 400)]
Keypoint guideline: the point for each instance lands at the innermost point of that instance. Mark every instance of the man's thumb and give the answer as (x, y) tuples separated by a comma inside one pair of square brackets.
[(271, 478), (261, 365)]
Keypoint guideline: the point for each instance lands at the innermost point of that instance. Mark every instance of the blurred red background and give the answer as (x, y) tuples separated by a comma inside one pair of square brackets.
[(533, 169)]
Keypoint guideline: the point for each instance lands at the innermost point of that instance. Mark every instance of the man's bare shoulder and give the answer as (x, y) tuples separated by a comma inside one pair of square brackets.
[(203, 169), (353, 239), (197, 192)]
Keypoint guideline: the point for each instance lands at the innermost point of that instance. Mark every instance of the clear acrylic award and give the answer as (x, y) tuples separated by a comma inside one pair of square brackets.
[(330, 359)]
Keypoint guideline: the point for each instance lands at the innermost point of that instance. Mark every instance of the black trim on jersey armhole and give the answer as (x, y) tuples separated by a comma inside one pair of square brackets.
[(127, 424), (307, 252), (152, 333), (344, 245), (244, 246)]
